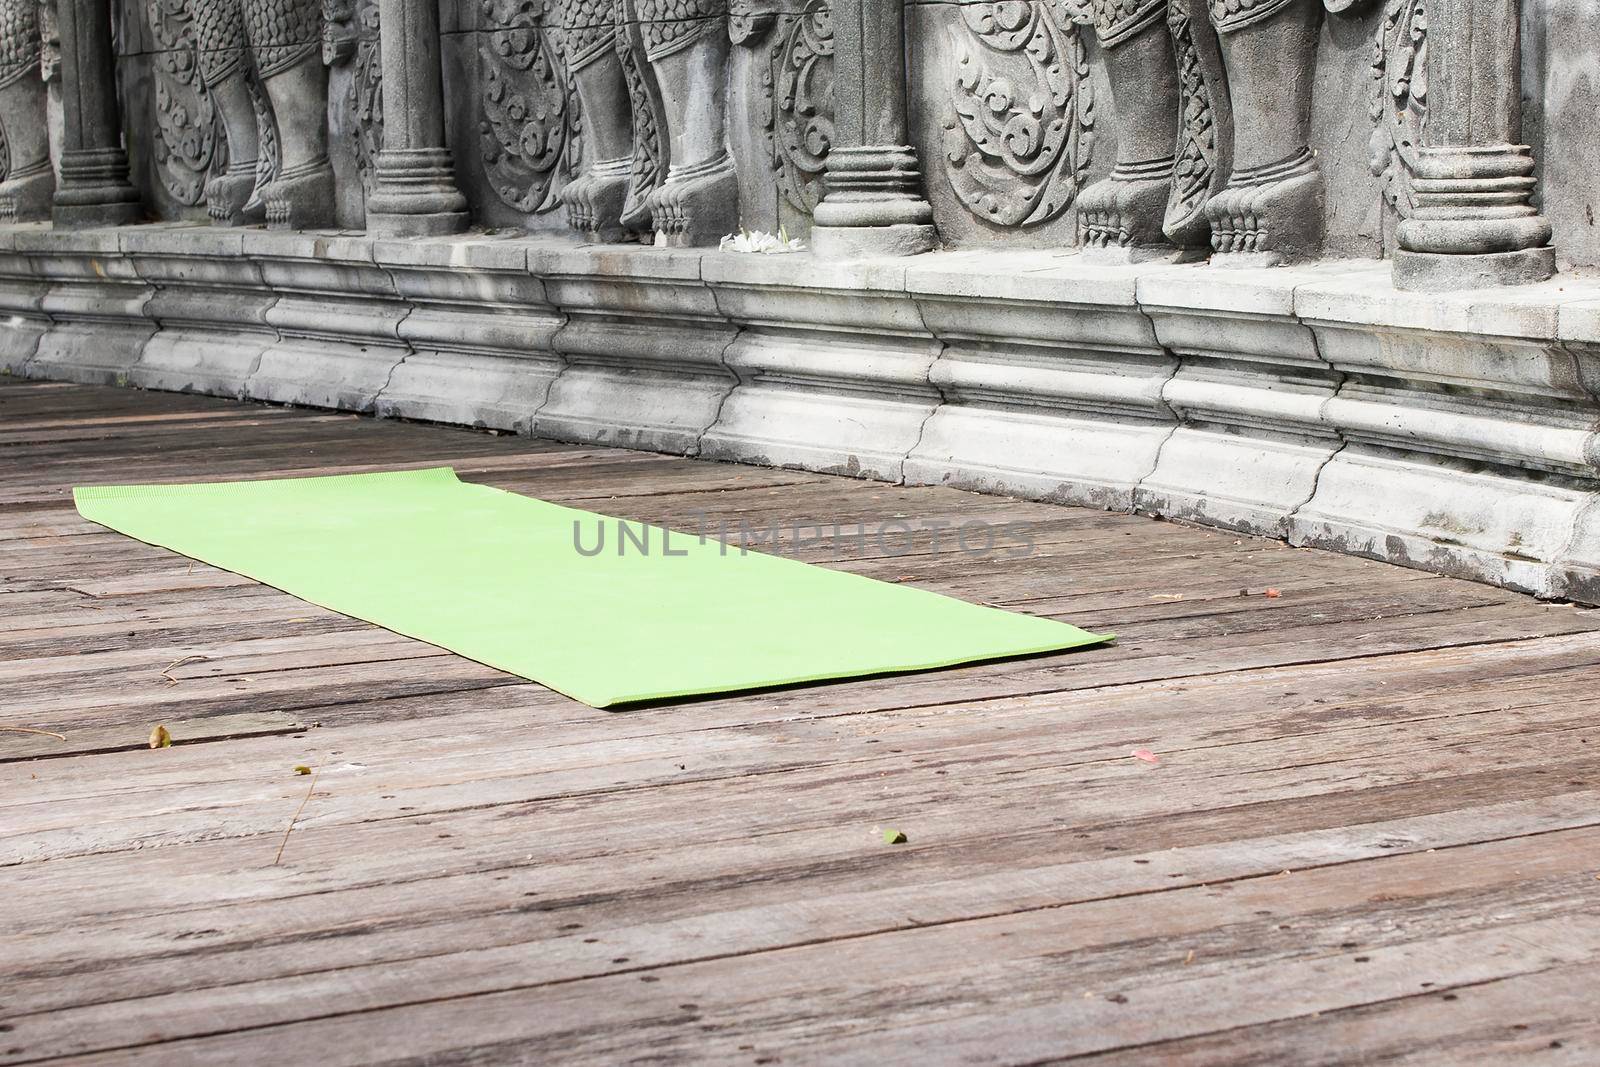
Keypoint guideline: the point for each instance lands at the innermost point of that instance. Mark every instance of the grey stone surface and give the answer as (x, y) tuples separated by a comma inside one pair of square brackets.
[(1455, 432), (201, 281)]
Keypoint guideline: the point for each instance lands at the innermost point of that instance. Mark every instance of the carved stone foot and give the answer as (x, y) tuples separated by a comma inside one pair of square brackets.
[(1121, 218), (301, 199), (1269, 215), (231, 199), (596, 200), (27, 197), (698, 204)]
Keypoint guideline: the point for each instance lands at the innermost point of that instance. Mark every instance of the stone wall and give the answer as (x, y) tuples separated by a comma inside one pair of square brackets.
[(1283, 266)]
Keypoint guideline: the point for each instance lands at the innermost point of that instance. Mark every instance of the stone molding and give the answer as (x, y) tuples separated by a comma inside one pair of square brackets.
[(1452, 432)]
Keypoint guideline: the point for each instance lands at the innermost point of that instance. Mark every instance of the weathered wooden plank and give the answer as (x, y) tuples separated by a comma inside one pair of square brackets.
[(1071, 979)]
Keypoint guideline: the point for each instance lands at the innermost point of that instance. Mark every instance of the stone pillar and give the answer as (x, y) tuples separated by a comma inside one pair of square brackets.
[(94, 189), (414, 188), (1474, 224), (873, 203)]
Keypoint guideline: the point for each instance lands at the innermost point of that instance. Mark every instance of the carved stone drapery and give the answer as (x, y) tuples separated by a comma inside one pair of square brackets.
[(1019, 124), (414, 187), (1204, 156), (1474, 222), (1166, 82), (27, 181), (873, 201), (796, 94), (93, 189), (529, 129)]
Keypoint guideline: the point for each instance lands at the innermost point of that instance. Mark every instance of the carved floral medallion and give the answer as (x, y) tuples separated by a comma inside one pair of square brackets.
[(1019, 121)]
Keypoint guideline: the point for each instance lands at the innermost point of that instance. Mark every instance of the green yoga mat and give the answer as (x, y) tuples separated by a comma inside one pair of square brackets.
[(500, 578)]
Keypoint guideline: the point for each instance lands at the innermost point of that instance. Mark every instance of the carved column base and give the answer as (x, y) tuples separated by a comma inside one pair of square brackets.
[(26, 197), (1474, 224), (414, 195), (872, 207), (1270, 215), (1431, 272), (697, 205), (94, 190), (595, 201)]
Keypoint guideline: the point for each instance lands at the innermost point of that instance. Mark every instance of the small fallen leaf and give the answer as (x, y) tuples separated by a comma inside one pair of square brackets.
[(160, 737), (894, 837), (1189, 958), (1146, 755), (1273, 594), (301, 768)]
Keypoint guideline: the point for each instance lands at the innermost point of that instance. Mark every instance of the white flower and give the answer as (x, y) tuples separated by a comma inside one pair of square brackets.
[(761, 243)]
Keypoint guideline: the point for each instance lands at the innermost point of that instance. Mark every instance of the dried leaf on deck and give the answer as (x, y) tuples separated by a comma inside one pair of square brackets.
[(1146, 755), (160, 737), (894, 837)]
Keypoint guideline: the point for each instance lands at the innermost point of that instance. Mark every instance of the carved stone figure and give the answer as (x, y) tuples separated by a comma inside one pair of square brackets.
[(1272, 209), (1127, 209), (277, 135), (686, 44), (651, 81), (598, 200), (27, 181)]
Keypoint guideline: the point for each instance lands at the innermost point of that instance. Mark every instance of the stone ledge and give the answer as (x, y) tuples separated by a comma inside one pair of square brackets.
[(1455, 432)]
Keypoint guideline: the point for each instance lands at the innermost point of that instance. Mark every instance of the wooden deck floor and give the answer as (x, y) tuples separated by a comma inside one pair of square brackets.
[(1373, 834)]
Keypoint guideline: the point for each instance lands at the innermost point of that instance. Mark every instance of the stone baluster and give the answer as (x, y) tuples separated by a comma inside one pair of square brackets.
[(93, 189), (873, 203), (1474, 223), (414, 189)]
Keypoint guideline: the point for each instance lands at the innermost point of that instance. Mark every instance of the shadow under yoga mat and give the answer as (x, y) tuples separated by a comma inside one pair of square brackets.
[(500, 578)]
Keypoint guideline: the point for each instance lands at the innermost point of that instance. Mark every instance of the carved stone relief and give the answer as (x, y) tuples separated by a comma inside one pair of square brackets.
[(1125, 215), (529, 128), (1272, 208), (260, 60), (686, 44), (651, 81), (187, 144), (1204, 156), (350, 36), (26, 178), (1400, 99), (1019, 120), (796, 94)]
